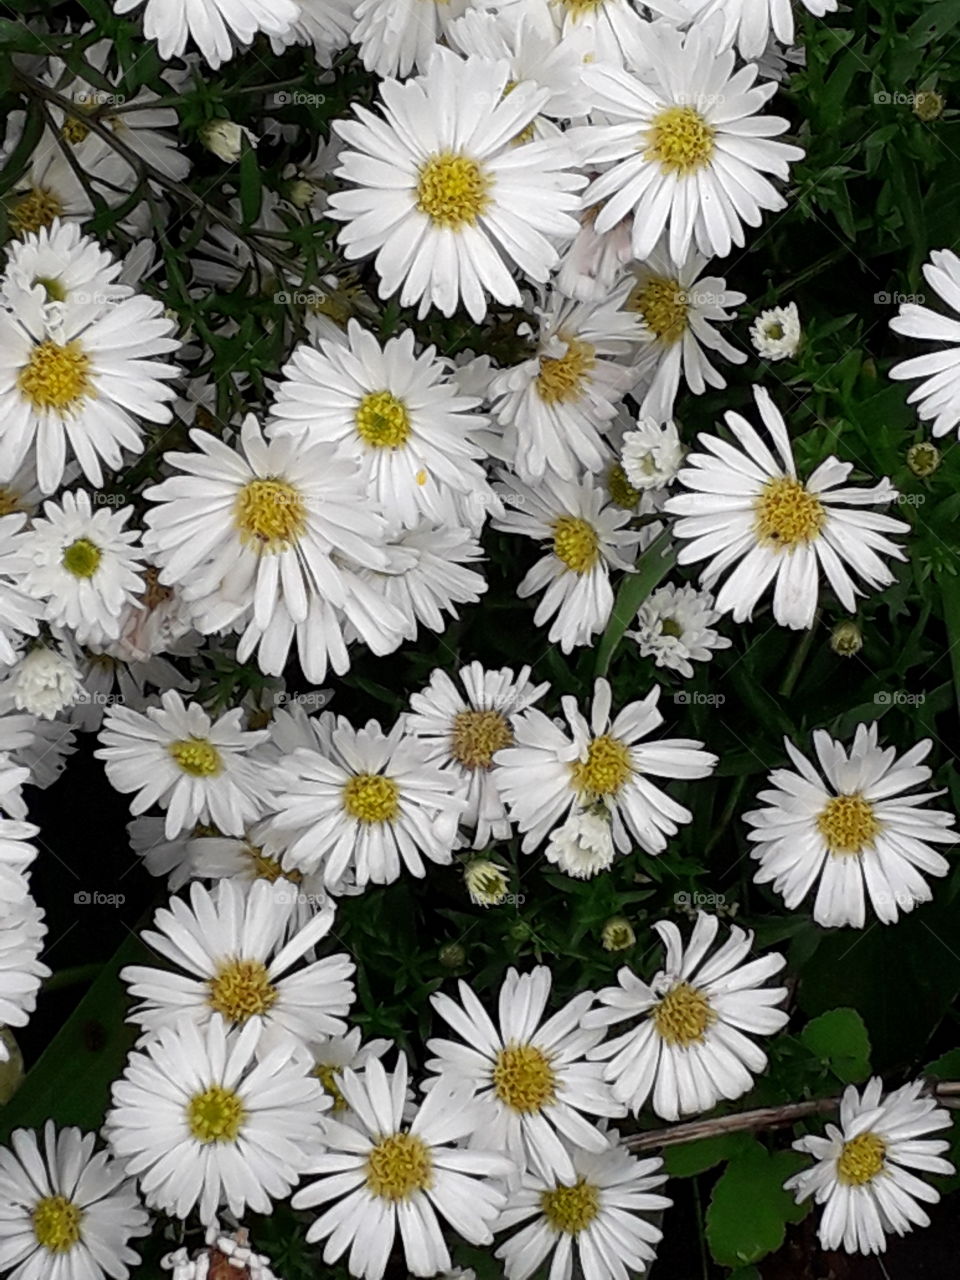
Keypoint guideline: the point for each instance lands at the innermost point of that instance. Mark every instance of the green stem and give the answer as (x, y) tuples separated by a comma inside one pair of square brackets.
[(799, 658)]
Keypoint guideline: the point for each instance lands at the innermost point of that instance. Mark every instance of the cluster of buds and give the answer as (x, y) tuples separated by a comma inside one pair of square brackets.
[(226, 1256)]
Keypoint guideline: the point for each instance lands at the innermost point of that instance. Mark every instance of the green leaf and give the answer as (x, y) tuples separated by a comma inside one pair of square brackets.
[(749, 1210), (946, 1067), (652, 567), (687, 1159), (251, 182), (839, 1039)]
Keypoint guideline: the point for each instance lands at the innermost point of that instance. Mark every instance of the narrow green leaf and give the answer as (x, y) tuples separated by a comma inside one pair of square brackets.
[(251, 183), (652, 567)]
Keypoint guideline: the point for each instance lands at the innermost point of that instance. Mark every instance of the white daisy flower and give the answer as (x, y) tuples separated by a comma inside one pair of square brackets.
[(22, 934), (938, 396), (45, 681), (608, 31), (598, 1226), (375, 804), (215, 26), (586, 536), (776, 333), (327, 25), (850, 828), (442, 195), (49, 188), (686, 149), (235, 953), (554, 406), (175, 756), (746, 505), (863, 1175), (463, 731), (690, 1043), (385, 1176), (548, 775), (66, 1211), (751, 24), (675, 628), (332, 1055), (86, 386), (255, 529), (396, 39), (679, 307), (61, 270), (257, 857), (651, 454), (396, 415), (84, 565), (583, 846), (532, 1075), (201, 1121), (19, 611)]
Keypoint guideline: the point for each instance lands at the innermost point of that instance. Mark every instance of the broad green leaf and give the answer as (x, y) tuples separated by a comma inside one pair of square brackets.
[(689, 1158), (749, 1210), (839, 1039)]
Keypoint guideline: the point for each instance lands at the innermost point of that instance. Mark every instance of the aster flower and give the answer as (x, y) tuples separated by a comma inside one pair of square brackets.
[(45, 681), (690, 1044), (398, 38), (583, 846), (58, 269), (776, 333), (16, 856), (675, 628), (752, 24), (651, 455), (333, 1055), (215, 26), (937, 397), (224, 1251), (608, 31), (746, 505), (22, 934)]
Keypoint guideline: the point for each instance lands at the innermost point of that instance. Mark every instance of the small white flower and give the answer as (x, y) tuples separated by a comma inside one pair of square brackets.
[(487, 882), (651, 455), (583, 846), (675, 628), (776, 333), (224, 138), (45, 682)]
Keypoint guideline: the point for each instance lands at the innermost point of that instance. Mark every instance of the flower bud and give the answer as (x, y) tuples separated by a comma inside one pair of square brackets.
[(618, 934), (223, 138), (923, 459), (846, 638)]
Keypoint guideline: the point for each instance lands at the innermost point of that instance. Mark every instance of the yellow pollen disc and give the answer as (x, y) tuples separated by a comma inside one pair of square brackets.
[(329, 1077), (606, 768), (576, 543), (578, 8), (56, 1223), (848, 824), (55, 377), (523, 1078), (270, 515), (453, 191), (680, 140), (74, 131), (215, 1115), (382, 421), (786, 514), (561, 378), (683, 1015), (9, 501), (570, 1210), (861, 1159), (662, 305), (82, 558), (774, 330), (477, 735), (620, 489), (369, 797), (36, 210), (241, 990), (267, 868), (421, 477), (398, 1166), (197, 757)]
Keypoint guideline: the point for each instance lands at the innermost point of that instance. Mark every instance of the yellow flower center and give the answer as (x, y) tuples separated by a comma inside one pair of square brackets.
[(215, 1115), (680, 140), (270, 515), (848, 824), (55, 377), (526, 134), (663, 305), (561, 378), (197, 757), (382, 421), (369, 797), (241, 990), (620, 489), (683, 1015), (861, 1159), (56, 1223), (267, 868), (9, 500), (523, 1078), (579, 8), (36, 210), (398, 1166), (570, 1210), (82, 558), (453, 190), (329, 1077), (606, 768), (477, 735), (786, 514), (74, 131), (576, 543)]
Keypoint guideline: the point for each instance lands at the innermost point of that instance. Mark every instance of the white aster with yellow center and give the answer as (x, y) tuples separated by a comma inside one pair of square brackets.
[(586, 537), (332, 1055), (463, 731), (748, 508), (684, 149), (853, 825), (61, 270), (384, 1173), (436, 188), (675, 627), (552, 772), (371, 803), (235, 957), (531, 1074), (691, 1043), (202, 1121), (66, 1211), (176, 757), (598, 1225), (863, 1174)]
